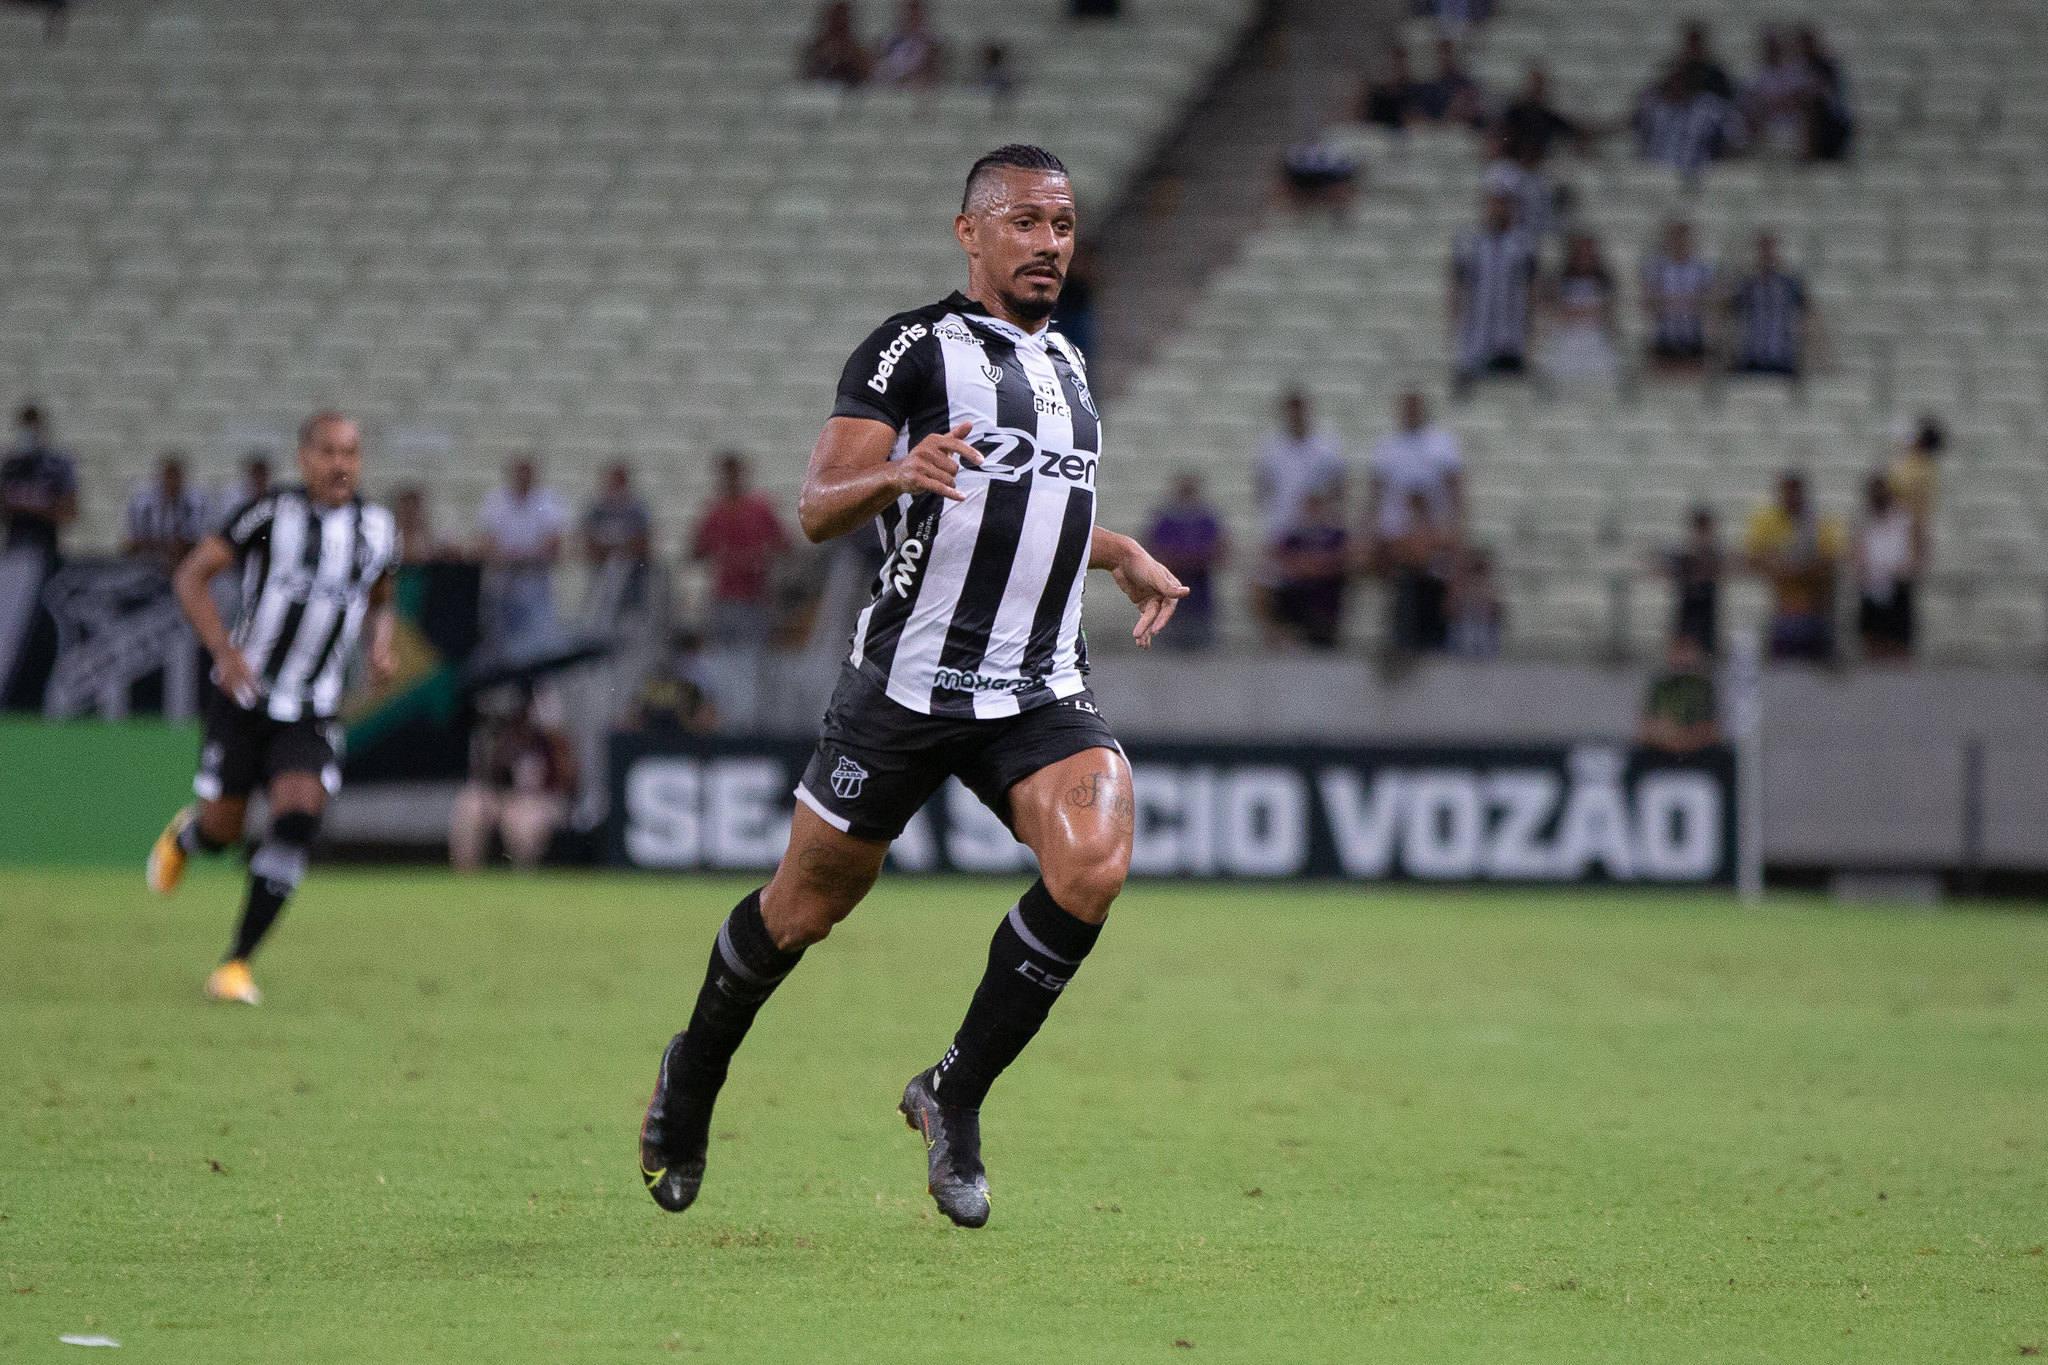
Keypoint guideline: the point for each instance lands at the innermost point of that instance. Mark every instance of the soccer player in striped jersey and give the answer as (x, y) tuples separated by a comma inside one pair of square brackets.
[(316, 562), (968, 430)]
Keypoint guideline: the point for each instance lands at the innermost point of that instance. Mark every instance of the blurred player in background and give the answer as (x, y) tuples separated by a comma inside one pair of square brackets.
[(967, 428), (315, 562)]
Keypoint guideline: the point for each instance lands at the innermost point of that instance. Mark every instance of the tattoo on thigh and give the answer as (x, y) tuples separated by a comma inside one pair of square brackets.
[(822, 873), (1103, 791)]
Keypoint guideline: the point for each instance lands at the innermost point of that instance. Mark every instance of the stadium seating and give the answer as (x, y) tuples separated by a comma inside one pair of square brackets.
[(1925, 254), (589, 230)]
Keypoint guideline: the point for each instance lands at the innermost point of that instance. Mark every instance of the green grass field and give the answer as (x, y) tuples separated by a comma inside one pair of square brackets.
[(1280, 1124)]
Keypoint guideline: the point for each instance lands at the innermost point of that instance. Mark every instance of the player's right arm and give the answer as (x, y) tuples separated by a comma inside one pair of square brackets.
[(893, 379), (193, 584)]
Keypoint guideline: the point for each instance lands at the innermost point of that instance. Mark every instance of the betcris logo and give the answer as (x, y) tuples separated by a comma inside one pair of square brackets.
[(1008, 455), (892, 356)]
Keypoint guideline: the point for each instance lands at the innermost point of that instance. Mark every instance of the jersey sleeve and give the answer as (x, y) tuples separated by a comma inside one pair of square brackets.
[(250, 525), (889, 376)]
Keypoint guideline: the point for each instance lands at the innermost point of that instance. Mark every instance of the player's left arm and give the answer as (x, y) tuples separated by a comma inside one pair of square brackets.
[(383, 649), (1147, 582)]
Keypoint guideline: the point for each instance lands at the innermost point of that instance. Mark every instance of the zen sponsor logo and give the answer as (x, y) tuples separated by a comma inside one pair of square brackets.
[(892, 355), (1008, 455)]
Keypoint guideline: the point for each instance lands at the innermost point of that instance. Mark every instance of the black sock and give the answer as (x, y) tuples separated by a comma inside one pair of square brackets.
[(744, 971), (274, 872), (1036, 950)]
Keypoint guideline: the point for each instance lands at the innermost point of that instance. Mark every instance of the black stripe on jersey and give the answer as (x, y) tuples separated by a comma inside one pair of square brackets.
[(1004, 505), (309, 563), (359, 557), (1077, 526), (892, 609)]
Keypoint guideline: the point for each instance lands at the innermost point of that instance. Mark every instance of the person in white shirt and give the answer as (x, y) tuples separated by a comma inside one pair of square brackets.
[(521, 527), (1891, 553), (1294, 464), (1419, 457)]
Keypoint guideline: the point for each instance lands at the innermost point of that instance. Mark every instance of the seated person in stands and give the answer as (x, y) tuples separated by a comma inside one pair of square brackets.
[(1318, 175), (1776, 99), (1678, 298), (1891, 554), (1312, 561), (1830, 126), (167, 518), (1389, 102), (1695, 567), (1419, 561), (676, 697), (835, 53), (1187, 536), (1774, 320), (38, 487), (1579, 309), (1798, 551), (1475, 617), (1681, 714), (1530, 126), (1451, 97), (1914, 476), (417, 543), (1684, 127), (1492, 283), (522, 775), (913, 55)]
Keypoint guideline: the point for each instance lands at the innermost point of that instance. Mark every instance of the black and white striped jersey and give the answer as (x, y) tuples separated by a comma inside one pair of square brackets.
[(1680, 292), (307, 571), (1769, 307), (977, 609), (1497, 271)]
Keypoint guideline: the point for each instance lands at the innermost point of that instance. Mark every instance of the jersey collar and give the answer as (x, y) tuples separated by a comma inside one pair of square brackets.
[(1009, 331)]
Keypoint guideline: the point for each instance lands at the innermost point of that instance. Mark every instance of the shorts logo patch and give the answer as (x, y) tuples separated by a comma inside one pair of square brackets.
[(847, 779)]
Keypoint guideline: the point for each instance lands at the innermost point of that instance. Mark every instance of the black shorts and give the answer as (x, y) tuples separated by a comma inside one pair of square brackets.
[(242, 750), (878, 762), (1884, 621)]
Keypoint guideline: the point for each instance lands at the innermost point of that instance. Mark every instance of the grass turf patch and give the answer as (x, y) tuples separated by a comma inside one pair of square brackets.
[(1287, 1123)]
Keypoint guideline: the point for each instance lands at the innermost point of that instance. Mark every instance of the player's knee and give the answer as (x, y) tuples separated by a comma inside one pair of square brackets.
[(221, 822), (1087, 882), (281, 858)]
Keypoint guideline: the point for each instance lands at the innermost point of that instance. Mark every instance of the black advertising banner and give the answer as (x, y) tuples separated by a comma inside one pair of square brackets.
[(1459, 813)]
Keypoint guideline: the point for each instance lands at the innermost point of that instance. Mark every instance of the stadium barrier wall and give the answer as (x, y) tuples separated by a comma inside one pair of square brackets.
[(1523, 813), (90, 793)]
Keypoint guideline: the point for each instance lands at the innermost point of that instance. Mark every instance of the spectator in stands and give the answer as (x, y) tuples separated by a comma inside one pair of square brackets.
[(1797, 551), (1476, 616), (1914, 475), (912, 55), (522, 526), (38, 487), (618, 535), (1390, 101), (1451, 96), (1186, 535), (521, 776), (1520, 176), (1678, 297), (1696, 66), (742, 539), (1681, 713), (1773, 318), (254, 484), (676, 697), (1830, 126), (1493, 273), (835, 53), (997, 77), (1419, 563), (167, 517), (1776, 101), (1684, 126), (1313, 564), (1531, 127), (417, 542), (1580, 308), (1293, 464), (1696, 568), (1891, 554), (1417, 457)]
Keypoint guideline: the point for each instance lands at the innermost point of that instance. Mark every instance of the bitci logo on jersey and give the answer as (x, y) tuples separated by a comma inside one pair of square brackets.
[(848, 778)]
